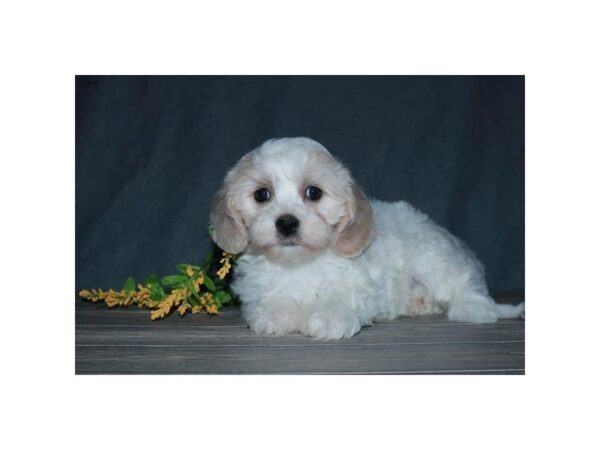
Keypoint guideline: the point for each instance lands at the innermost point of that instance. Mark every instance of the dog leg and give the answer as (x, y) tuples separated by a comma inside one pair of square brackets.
[(276, 318), (455, 279), (472, 307), (331, 322)]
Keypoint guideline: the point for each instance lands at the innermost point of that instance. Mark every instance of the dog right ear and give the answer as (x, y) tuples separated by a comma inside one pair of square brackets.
[(355, 230), (228, 230)]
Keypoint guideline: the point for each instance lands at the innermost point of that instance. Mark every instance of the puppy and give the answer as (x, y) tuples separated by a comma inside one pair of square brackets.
[(319, 258)]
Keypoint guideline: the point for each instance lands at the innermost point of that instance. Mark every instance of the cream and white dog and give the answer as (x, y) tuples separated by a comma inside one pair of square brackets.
[(319, 258)]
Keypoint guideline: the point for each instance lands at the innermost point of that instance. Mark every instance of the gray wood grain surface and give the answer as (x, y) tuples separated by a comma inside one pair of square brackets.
[(125, 341)]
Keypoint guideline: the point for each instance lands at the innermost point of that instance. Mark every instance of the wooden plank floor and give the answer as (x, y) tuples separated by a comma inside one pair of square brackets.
[(125, 341)]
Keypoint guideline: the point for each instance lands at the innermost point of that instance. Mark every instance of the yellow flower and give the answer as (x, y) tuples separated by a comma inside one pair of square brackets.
[(172, 300), (178, 298), (178, 295), (157, 314), (224, 270), (206, 299), (199, 281), (183, 308), (226, 265), (111, 301)]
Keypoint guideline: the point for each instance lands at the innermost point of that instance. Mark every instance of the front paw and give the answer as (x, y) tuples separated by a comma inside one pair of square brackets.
[(272, 323), (329, 326)]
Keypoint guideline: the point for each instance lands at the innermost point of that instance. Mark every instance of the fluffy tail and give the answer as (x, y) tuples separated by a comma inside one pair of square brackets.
[(510, 311)]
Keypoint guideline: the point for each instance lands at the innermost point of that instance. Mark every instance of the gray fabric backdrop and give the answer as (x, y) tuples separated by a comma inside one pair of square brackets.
[(151, 151)]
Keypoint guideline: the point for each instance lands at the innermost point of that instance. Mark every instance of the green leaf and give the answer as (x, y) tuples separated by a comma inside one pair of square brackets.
[(171, 280), (209, 283), (208, 260), (190, 286), (152, 282), (226, 298), (157, 293), (129, 285), (223, 297), (209, 256), (182, 267)]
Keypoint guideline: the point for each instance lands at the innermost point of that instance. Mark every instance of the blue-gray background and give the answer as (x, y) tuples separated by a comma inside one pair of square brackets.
[(151, 151)]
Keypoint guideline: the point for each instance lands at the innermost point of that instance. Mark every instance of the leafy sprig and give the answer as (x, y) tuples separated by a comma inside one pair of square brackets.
[(192, 290)]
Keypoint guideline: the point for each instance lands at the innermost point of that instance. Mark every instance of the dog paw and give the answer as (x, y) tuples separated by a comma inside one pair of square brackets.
[(475, 312), (323, 326), (274, 324)]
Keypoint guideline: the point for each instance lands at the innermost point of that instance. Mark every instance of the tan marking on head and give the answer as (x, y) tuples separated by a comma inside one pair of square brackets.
[(353, 233), (229, 230)]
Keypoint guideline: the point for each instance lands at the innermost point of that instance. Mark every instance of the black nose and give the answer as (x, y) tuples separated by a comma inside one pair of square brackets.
[(287, 224)]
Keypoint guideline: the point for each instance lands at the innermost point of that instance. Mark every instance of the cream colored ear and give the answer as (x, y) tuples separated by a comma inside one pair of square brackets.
[(353, 233), (229, 232)]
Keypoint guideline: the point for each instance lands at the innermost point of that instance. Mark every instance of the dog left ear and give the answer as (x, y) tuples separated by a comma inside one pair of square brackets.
[(353, 233), (228, 232)]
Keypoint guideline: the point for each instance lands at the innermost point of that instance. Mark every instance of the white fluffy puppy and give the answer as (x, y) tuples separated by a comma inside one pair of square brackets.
[(322, 260)]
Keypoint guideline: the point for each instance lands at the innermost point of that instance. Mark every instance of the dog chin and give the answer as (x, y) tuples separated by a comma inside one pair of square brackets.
[(290, 252)]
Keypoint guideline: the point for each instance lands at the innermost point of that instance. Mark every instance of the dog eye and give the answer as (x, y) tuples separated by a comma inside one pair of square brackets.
[(262, 195), (313, 193)]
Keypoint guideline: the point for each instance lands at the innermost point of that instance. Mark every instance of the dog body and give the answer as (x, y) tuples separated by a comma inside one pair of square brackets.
[(322, 260)]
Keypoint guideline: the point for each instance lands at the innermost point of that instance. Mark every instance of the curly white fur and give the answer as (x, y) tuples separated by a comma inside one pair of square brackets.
[(351, 261)]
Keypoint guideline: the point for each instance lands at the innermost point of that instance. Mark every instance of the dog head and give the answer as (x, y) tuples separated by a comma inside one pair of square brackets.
[(289, 199)]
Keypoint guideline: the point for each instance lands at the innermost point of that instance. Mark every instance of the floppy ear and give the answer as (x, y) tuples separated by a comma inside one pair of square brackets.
[(229, 232), (353, 233)]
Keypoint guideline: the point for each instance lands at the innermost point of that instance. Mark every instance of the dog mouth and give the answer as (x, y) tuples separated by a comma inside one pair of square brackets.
[(297, 244), (289, 249), (288, 243)]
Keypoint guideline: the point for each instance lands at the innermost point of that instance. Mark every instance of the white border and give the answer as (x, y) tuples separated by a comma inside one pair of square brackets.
[(46, 43)]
